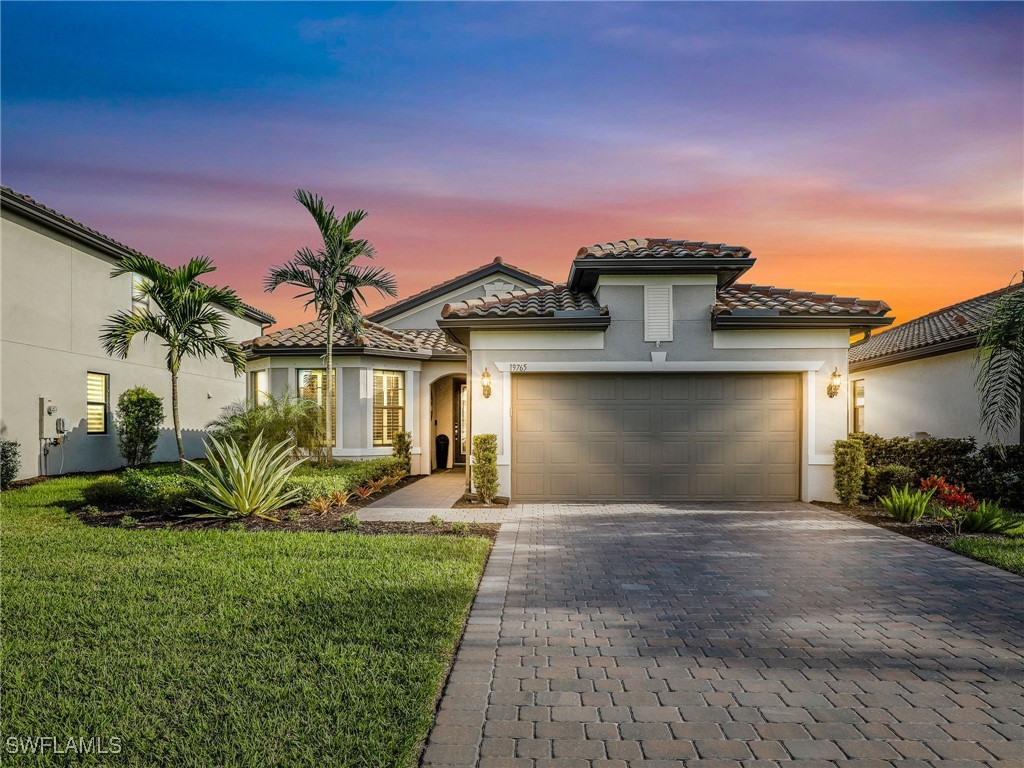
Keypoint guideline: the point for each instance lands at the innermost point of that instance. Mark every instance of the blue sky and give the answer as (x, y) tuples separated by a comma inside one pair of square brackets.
[(866, 149)]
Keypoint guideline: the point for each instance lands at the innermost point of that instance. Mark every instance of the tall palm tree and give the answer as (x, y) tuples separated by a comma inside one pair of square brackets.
[(188, 321), (1000, 367), (329, 280)]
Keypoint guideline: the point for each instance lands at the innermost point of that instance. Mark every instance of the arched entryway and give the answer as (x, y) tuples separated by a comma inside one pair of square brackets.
[(448, 417)]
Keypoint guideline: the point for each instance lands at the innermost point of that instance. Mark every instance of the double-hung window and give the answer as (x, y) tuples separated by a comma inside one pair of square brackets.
[(858, 405), (259, 387), (312, 385), (97, 400), (388, 406)]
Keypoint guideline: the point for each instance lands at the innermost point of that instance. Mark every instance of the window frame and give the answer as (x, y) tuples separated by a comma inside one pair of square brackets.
[(90, 403), (383, 407), (140, 303), (330, 430), (857, 410), (258, 396)]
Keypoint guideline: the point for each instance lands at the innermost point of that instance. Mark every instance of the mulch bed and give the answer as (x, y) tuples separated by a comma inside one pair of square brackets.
[(472, 502), (923, 530)]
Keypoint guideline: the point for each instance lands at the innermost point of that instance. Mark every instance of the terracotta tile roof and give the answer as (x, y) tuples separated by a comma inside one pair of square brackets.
[(532, 302), (961, 321), (33, 207), (436, 340), (788, 301), (496, 266), (662, 248), (313, 335)]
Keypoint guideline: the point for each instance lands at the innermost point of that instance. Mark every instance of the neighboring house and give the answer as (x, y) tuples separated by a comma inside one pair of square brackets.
[(918, 378), (651, 374), (57, 293)]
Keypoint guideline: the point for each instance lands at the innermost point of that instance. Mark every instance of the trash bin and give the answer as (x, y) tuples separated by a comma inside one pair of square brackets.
[(441, 451)]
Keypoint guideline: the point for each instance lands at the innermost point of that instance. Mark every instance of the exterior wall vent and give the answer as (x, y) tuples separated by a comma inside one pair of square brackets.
[(657, 313)]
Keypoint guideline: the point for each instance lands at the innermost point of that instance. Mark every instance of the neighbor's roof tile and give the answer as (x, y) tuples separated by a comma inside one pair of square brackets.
[(957, 321), (792, 302), (532, 302)]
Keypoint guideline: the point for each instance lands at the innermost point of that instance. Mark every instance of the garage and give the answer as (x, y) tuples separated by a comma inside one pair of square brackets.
[(653, 437)]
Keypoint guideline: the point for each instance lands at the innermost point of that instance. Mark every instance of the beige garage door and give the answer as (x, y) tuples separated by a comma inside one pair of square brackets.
[(605, 436)]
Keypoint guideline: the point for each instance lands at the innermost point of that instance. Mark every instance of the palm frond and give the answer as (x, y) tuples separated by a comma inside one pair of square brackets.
[(999, 365)]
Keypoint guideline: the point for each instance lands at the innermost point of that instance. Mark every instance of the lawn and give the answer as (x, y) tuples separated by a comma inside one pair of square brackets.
[(1002, 553), (202, 648)]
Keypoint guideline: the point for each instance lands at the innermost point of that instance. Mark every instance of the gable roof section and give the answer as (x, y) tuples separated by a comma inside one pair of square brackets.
[(311, 339), (496, 267), (764, 306), (35, 211), (949, 329), (659, 255)]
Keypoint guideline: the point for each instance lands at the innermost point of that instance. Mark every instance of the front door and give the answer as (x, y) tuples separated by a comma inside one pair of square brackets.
[(459, 446)]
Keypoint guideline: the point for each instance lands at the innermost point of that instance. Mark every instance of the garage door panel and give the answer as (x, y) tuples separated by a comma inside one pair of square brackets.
[(605, 436)]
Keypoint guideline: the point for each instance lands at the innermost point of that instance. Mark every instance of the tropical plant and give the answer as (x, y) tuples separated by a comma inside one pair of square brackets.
[(364, 492), (137, 419), (349, 522), (436, 520), (341, 498), (320, 505), (188, 320), (277, 418), (849, 467), (950, 495), (485, 466), (378, 484), (461, 528), (127, 521), (999, 365), (988, 517), (328, 279), (10, 461), (905, 505), (243, 485), (402, 442)]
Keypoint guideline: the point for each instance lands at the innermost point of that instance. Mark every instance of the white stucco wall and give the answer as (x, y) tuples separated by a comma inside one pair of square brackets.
[(55, 297), (934, 395)]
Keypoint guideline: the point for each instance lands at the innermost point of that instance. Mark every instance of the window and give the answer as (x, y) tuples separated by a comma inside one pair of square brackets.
[(140, 301), (858, 405), (97, 393), (657, 313), (259, 387), (312, 385), (388, 406)]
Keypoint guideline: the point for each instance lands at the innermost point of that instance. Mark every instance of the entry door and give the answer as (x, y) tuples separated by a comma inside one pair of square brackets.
[(459, 445)]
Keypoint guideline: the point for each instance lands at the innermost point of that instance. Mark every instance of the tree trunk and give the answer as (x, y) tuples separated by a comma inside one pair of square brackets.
[(177, 416), (329, 392)]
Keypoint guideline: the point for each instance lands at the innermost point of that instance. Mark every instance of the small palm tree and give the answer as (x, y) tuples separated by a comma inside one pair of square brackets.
[(1000, 367), (329, 280), (188, 320)]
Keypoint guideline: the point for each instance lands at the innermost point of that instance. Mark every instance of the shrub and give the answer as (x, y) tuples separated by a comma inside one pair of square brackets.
[(341, 498), (162, 490), (10, 462), (238, 484), (949, 495), (436, 520), (1001, 475), (349, 522), (878, 480), (313, 482), (281, 418), (485, 466), (106, 491), (127, 521), (849, 467), (90, 510), (138, 418), (403, 449), (364, 492), (987, 517), (905, 505), (460, 528), (320, 505)]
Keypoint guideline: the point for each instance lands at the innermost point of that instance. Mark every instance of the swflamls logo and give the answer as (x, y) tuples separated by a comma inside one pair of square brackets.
[(74, 745)]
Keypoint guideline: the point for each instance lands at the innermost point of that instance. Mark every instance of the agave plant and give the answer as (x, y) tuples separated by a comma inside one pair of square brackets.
[(905, 505), (242, 485)]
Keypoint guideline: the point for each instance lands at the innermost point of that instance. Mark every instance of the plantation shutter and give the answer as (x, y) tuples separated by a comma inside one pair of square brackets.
[(96, 392), (657, 313), (313, 386), (388, 406)]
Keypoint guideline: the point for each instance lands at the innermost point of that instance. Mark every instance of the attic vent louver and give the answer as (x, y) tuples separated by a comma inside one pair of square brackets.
[(657, 313)]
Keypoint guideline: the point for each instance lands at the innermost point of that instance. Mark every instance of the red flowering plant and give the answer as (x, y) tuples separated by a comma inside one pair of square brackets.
[(951, 501)]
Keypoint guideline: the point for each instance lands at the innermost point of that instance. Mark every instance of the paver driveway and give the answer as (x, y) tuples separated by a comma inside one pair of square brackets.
[(644, 634)]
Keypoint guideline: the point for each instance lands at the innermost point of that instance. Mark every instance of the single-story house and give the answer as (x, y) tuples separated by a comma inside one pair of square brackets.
[(58, 384), (652, 373), (918, 378)]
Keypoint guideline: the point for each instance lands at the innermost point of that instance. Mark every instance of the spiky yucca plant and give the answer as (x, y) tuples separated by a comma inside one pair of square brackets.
[(905, 505), (237, 485)]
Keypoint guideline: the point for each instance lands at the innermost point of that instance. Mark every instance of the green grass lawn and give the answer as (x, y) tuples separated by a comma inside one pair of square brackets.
[(222, 648), (1003, 553)]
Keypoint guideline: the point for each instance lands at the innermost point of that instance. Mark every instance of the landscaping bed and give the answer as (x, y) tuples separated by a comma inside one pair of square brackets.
[(215, 647), (473, 502)]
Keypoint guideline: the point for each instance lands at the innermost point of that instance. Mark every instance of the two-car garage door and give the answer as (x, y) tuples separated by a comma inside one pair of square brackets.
[(604, 436)]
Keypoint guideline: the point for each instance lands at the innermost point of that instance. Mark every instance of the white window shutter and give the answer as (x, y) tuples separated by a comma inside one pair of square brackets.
[(657, 313)]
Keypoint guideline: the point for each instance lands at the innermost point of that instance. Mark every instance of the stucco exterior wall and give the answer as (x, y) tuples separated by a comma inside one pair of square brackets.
[(55, 297), (695, 347), (934, 395), (427, 315)]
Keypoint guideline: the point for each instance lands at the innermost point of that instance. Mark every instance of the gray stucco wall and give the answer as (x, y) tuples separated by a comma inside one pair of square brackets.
[(56, 295), (427, 315), (934, 395)]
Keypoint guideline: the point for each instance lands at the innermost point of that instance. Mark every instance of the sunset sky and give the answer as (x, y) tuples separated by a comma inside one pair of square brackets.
[(872, 150)]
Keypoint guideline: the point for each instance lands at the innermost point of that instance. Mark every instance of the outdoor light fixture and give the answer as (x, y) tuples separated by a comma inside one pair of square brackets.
[(833, 383), (485, 382)]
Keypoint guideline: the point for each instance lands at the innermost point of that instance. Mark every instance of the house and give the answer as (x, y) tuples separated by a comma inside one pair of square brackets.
[(918, 378), (652, 373), (57, 381)]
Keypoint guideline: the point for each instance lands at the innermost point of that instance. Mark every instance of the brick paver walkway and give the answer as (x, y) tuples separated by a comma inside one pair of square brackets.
[(437, 491), (646, 635)]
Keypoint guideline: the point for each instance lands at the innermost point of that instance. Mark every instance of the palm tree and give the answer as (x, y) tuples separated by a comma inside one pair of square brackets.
[(1000, 367), (189, 321), (330, 282)]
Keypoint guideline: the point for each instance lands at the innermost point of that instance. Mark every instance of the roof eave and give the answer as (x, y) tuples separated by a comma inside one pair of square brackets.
[(459, 328), (918, 353), (856, 323), (253, 353), (584, 272)]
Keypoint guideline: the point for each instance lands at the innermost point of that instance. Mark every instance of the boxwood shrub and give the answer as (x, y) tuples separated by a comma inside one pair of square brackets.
[(849, 467)]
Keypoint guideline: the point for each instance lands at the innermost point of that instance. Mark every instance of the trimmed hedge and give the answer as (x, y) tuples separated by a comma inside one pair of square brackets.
[(485, 466), (849, 467), (879, 480), (10, 461), (315, 483)]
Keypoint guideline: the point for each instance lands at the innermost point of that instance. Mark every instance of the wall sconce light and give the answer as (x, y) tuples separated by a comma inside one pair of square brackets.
[(485, 382), (834, 382)]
